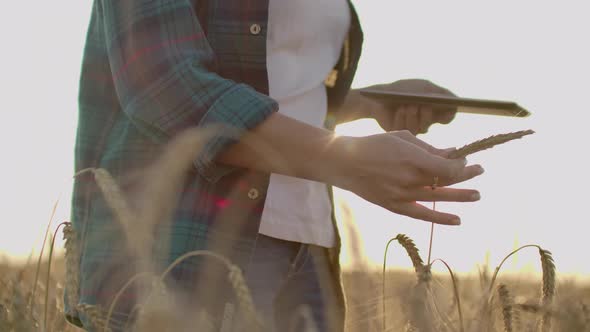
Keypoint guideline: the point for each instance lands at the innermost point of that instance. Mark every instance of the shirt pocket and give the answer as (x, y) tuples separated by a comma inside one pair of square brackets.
[(239, 44)]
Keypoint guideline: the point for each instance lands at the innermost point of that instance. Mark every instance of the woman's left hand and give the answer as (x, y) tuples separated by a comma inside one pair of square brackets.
[(414, 118)]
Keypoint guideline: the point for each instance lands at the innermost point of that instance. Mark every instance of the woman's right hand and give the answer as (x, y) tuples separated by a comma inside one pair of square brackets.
[(395, 170)]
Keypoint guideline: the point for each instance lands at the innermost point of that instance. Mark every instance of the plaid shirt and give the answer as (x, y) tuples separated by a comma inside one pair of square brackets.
[(152, 69)]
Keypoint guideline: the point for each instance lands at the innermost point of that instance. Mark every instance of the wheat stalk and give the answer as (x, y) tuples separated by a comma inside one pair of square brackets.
[(205, 322), (538, 309), (499, 267), (586, 315), (585, 312), (51, 246), (115, 200), (420, 313), (158, 312), (120, 292), (507, 306), (530, 307), (38, 268), (162, 184), (455, 292), (305, 313), (236, 279), (548, 288), (488, 143)]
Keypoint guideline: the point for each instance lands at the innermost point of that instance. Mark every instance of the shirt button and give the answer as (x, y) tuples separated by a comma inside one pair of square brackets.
[(253, 193), (255, 29)]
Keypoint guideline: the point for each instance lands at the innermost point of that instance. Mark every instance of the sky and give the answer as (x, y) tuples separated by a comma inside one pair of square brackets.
[(532, 52)]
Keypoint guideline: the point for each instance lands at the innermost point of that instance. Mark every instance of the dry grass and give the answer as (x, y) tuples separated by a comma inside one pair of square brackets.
[(569, 310)]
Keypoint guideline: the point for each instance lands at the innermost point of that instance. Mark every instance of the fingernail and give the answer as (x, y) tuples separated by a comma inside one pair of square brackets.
[(463, 162), (455, 222), (480, 171), (448, 150), (475, 197)]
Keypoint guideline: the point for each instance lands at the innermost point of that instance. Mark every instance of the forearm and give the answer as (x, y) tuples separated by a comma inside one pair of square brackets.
[(286, 146), (392, 170), (355, 107)]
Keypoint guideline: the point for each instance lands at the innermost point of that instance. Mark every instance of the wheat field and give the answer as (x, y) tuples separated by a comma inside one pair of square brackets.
[(32, 295), (516, 306)]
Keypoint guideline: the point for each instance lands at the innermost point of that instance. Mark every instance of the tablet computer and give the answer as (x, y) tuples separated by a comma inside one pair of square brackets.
[(464, 105)]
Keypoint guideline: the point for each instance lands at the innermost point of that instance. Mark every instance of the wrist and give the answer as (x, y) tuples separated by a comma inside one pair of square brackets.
[(355, 106), (360, 104), (338, 163)]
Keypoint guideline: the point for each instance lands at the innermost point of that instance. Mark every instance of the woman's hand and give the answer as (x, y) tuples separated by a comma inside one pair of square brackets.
[(396, 170), (414, 118)]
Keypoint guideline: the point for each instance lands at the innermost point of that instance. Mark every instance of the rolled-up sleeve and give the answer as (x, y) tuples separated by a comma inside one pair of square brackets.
[(161, 64)]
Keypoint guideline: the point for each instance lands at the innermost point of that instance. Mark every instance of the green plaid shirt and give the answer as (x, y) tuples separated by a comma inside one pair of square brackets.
[(152, 69)]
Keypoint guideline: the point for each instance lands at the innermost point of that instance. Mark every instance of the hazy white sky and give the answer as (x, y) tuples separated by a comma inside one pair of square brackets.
[(533, 52)]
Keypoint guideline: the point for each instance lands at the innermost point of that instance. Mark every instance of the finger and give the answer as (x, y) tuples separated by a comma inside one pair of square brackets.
[(434, 88), (446, 170), (426, 119), (417, 211), (427, 194), (466, 174), (412, 119), (446, 116), (426, 179), (391, 119), (399, 120), (447, 152), (411, 138)]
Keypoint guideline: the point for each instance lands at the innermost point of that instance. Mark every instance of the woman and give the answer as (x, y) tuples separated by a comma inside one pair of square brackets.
[(273, 72)]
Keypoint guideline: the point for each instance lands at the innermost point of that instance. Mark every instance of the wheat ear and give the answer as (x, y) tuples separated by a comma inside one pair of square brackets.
[(95, 317), (417, 262), (420, 313), (488, 143), (548, 288), (413, 252), (507, 306), (72, 261), (548, 291), (244, 298), (419, 305), (236, 279)]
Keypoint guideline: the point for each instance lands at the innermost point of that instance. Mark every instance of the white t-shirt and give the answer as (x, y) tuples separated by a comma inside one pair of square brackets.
[(304, 40)]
